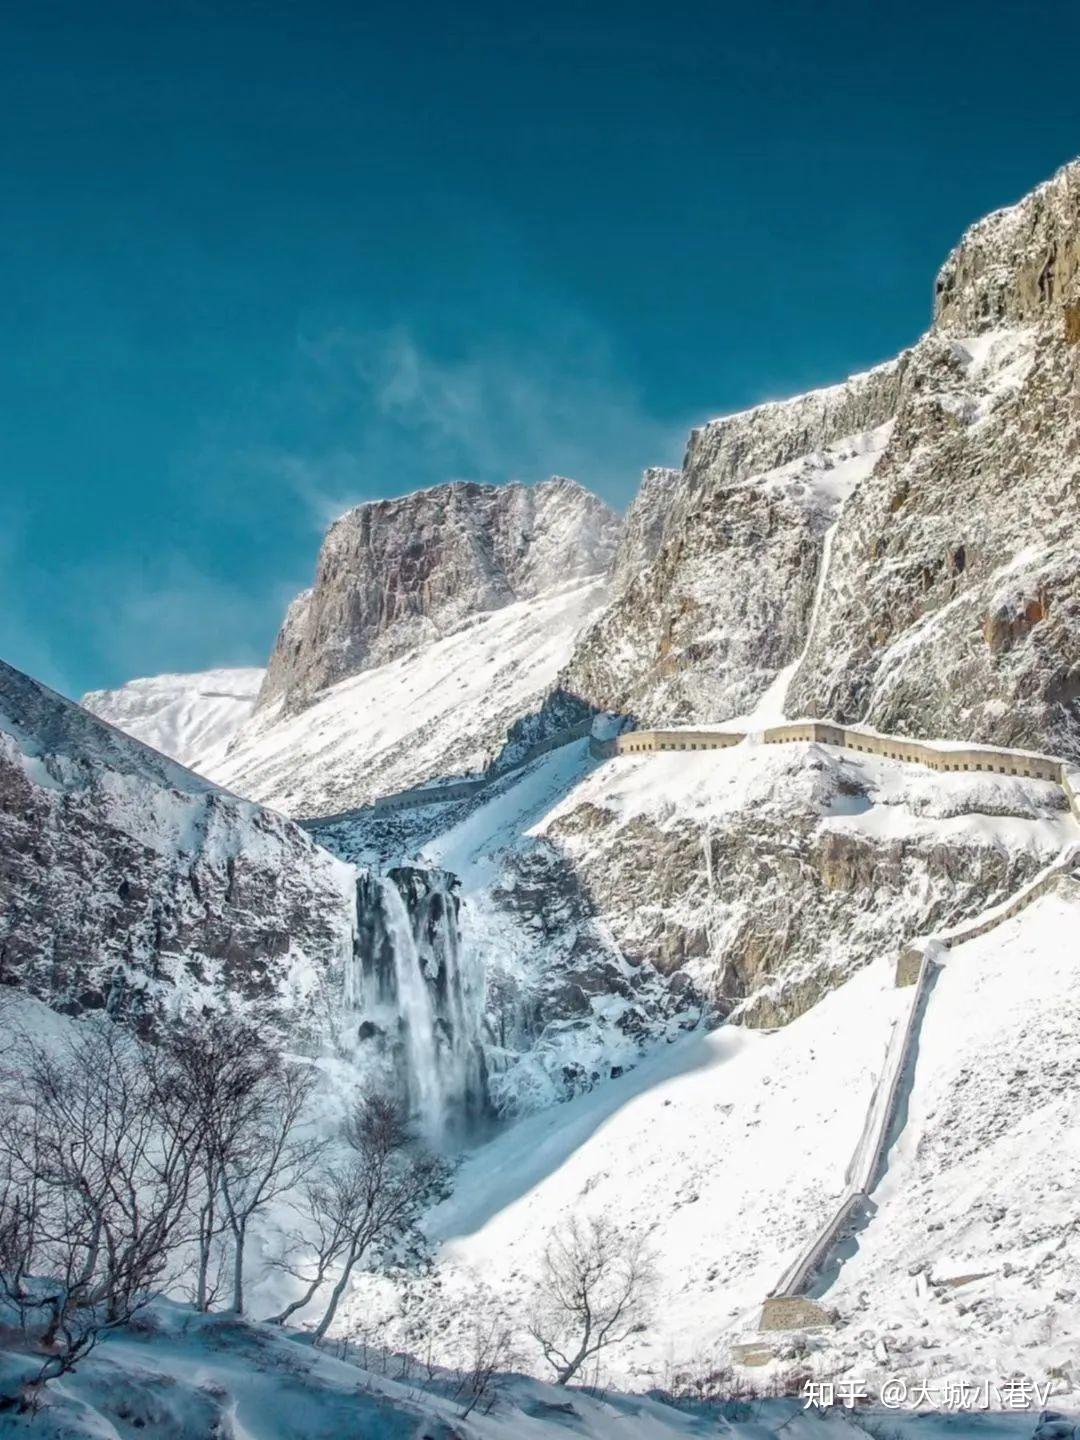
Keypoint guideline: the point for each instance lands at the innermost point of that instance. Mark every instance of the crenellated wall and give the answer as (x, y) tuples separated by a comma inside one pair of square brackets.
[(940, 757)]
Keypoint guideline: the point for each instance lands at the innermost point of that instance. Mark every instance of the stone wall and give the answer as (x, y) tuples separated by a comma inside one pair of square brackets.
[(890, 747)]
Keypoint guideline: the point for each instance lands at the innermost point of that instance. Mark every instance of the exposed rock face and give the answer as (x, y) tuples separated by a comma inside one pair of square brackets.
[(952, 604), (127, 882), (717, 574), (645, 525), (1018, 265), (396, 574), (765, 879)]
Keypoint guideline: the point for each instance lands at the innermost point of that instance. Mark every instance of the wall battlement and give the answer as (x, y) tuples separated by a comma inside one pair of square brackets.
[(889, 747)]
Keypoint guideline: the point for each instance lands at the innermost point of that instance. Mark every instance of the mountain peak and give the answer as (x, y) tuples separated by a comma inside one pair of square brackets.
[(399, 573), (1018, 265)]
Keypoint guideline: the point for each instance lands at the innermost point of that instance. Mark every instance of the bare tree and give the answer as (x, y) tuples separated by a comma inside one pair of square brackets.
[(371, 1199), (331, 1205), (490, 1350), (594, 1291), (253, 1147), (96, 1166)]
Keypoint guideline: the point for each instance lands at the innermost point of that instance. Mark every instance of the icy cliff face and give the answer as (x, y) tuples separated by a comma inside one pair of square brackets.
[(394, 575), (191, 718), (952, 604), (128, 882), (945, 483), (716, 578)]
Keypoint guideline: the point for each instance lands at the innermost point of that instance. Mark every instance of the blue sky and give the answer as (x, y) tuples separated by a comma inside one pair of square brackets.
[(263, 260)]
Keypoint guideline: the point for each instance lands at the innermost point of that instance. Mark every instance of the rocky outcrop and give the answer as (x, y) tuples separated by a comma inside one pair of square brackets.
[(952, 604), (720, 563), (645, 526), (764, 879), (1017, 266), (130, 884), (393, 575)]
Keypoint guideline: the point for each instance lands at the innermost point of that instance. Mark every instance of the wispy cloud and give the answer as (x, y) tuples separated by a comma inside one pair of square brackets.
[(512, 411)]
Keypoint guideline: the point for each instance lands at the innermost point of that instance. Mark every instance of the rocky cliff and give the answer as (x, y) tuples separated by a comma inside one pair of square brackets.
[(715, 581), (127, 881), (393, 575), (920, 517), (763, 877), (952, 604)]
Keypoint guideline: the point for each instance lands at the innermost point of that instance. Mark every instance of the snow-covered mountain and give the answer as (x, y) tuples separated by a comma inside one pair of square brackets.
[(928, 503), (443, 709), (729, 1148), (571, 935), (193, 718), (715, 584), (437, 622), (395, 575), (126, 879)]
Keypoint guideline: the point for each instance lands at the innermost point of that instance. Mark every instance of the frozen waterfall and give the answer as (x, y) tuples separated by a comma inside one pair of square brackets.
[(414, 999)]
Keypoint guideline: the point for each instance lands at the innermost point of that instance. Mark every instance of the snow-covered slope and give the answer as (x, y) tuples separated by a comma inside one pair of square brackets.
[(396, 575), (724, 1148), (441, 709), (190, 717), (969, 1264), (125, 877), (176, 1375), (727, 1150), (765, 874)]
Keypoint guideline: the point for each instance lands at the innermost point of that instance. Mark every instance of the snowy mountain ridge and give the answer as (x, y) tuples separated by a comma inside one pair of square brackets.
[(192, 718)]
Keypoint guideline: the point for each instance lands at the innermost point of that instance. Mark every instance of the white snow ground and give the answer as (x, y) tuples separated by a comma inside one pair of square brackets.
[(180, 1376), (440, 710), (982, 1181), (727, 1149), (191, 718), (730, 1148)]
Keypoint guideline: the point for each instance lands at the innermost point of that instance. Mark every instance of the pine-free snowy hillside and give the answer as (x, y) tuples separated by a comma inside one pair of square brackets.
[(193, 718), (764, 875), (970, 1262), (612, 903), (727, 1150), (180, 1376), (124, 877), (442, 709), (395, 575)]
